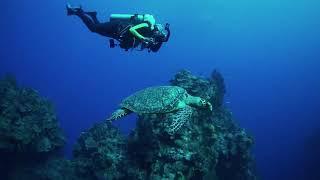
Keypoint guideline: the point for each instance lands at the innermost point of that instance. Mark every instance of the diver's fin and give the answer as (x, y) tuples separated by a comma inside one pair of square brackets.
[(178, 119), (72, 10), (118, 114)]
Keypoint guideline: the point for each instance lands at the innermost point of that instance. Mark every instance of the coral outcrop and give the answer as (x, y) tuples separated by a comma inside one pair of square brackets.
[(209, 146), (100, 152), (54, 168), (27, 121), (210, 141), (29, 129)]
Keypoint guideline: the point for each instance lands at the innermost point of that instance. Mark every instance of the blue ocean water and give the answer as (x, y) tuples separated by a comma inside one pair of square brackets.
[(268, 52)]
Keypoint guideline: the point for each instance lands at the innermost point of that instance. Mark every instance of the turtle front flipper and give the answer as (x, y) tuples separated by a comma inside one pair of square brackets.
[(178, 119), (119, 114)]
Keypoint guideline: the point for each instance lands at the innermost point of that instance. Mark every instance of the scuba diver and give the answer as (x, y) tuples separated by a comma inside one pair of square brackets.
[(130, 30)]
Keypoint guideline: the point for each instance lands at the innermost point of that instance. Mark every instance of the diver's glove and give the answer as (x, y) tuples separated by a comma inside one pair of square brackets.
[(167, 26), (148, 41)]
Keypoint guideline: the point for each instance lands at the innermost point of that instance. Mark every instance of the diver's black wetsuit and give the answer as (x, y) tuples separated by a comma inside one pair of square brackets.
[(119, 30), (108, 29), (115, 29)]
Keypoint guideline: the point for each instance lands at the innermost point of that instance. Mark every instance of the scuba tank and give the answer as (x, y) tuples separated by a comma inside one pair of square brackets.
[(121, 17)]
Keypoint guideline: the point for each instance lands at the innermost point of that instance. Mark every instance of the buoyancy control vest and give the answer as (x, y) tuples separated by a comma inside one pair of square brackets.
[(126, 21)]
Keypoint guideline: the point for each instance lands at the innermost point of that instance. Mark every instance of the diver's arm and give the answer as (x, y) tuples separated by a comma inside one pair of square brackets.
[(134, 31), (168, 36), (168, 32)]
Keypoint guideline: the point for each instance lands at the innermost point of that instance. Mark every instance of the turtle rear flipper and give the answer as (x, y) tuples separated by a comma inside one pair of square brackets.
[(119, 114), (178, 119)]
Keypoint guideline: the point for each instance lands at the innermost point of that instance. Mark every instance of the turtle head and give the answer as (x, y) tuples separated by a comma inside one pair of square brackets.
[(198, 102)]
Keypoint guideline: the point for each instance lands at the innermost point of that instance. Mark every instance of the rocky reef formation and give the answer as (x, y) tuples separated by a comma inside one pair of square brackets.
[(54, 168), (100, 153), (27, 121), (212, 89), (28, 126), (209, 146), (210, 143)]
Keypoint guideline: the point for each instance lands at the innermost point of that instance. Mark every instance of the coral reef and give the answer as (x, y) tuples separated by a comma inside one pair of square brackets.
[(27, 121), (54, 168), (210, 145), (29, 129), (212, 89), (208, 142), (100, 152)]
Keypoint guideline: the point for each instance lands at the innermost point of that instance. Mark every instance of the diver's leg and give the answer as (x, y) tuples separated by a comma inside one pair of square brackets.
[(88, 18), (93, 16), (108, 29), (74, 10), (91, 25)]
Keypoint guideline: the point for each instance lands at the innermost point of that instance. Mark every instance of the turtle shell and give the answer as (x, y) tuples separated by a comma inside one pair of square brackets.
[(159, 99)]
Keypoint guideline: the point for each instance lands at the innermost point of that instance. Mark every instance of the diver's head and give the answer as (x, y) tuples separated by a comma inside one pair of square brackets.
[(159, 32), (160, 28)]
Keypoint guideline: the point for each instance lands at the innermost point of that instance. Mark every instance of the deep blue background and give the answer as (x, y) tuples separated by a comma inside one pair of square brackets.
[(268, 51)]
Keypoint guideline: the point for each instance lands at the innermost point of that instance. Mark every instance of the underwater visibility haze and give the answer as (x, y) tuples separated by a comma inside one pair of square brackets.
[(255, 62)]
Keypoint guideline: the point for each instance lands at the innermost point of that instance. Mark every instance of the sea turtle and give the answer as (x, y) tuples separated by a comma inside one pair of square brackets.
[(171, 100)]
